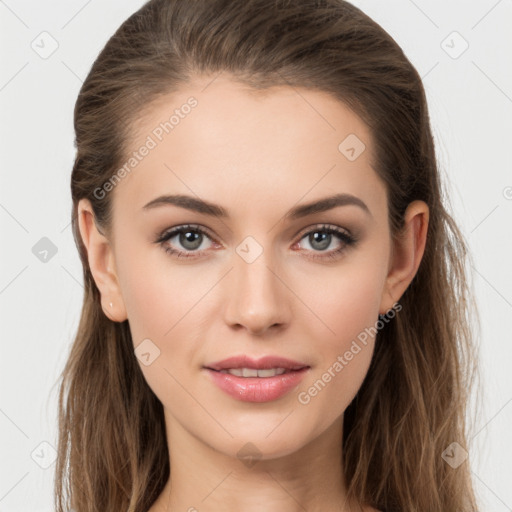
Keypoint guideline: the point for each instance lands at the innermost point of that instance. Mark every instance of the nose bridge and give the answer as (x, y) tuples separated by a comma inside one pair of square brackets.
[(256, 297)]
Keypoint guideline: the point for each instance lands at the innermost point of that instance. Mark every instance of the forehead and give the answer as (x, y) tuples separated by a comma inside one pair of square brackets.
[(224, 141)]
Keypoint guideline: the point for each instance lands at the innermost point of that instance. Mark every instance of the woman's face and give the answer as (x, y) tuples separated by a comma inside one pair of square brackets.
[(256, 280)]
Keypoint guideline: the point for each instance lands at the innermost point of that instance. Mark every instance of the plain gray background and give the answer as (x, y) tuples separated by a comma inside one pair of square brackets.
[(470, 99)]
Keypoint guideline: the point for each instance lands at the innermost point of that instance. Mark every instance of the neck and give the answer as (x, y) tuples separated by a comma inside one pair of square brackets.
[(203, 479)]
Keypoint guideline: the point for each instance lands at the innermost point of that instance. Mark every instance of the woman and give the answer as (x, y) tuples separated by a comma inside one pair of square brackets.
[(275, 295)]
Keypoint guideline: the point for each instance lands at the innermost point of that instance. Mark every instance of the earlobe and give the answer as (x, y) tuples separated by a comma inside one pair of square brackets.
[(407, 254), (100, 256)]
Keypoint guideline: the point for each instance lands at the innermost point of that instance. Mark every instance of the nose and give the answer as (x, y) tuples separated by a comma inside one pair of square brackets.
[(256, 298)]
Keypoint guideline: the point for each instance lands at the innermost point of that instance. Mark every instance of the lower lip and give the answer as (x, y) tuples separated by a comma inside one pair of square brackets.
[(257, 389)]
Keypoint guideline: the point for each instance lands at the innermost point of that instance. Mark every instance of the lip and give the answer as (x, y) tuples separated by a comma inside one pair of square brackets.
[(244, 361), (257, 389)]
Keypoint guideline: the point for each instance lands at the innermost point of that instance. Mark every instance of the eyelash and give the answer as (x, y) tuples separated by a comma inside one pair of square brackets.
[(343, 236)]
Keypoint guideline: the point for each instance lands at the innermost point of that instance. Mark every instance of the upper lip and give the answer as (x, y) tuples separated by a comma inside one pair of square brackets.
[(263, 363)]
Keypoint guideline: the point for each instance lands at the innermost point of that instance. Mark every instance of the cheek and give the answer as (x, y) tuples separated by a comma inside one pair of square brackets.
[(348, 302), (163, 302), (348, 307), (160, 307), (158, 296)]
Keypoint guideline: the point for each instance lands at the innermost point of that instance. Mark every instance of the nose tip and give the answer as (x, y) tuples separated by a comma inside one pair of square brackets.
[(256, 314), (256, 299), (259, 328)]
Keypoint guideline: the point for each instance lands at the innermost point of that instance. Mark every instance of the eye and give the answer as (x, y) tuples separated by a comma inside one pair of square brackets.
[(191, 238), (320, 238)]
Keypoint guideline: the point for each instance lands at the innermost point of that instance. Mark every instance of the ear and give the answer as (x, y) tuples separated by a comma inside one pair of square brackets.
[(100, 255), (407, 252)]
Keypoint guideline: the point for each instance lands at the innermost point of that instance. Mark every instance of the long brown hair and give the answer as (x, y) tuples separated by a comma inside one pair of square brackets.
[(112, 449)]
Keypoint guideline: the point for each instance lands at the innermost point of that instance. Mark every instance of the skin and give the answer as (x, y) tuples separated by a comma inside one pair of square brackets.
[(257, 154)]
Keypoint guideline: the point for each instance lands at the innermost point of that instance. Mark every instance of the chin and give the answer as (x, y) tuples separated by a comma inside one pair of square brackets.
[(260, 442)]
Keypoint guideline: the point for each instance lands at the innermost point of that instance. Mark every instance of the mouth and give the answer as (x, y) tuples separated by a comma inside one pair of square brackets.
[(260, 380), (257, 384), (254, 372)]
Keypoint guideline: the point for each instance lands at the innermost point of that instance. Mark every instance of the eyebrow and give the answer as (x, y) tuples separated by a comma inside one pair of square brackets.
[(214, 210)]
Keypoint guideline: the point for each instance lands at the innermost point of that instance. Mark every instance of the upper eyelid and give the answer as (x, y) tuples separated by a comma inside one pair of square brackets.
[(323, 226), (171, 232)]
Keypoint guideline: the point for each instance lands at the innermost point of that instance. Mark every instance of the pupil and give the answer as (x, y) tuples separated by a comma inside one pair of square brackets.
[(192, 238), (324, 240)]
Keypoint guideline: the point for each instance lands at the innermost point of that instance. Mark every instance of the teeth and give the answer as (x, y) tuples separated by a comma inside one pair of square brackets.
[(252, 372)]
